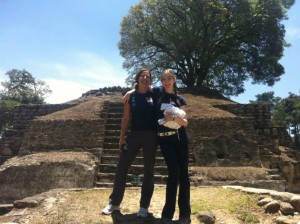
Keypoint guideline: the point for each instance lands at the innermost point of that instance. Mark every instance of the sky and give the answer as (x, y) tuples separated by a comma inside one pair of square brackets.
[(72, 45)]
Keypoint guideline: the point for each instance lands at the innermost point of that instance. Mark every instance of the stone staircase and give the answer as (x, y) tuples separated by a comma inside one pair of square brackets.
[(110, 154)]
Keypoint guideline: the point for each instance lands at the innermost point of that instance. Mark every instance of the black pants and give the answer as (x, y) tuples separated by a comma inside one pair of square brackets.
[(176, 154), (136, 140)]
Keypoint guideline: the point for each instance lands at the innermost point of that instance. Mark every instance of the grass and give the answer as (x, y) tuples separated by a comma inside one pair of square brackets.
[(84, 206), (232, 201)]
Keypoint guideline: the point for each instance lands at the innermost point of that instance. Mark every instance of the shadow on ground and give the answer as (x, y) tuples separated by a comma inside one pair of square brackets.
[(118, 218)]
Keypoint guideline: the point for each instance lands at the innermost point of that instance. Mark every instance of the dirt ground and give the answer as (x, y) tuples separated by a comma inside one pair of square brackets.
[(83, 206), (90, 107)]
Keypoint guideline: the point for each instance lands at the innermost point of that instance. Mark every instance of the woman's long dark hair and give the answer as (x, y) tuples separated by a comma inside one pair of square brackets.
[(136, 84)]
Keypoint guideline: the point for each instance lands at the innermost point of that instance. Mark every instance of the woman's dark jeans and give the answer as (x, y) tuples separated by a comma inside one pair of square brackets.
[(147, 140), (174, 148)]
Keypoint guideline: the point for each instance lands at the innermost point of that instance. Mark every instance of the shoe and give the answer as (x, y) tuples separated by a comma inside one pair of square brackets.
[(166, 221), (142, 213), (109, 209), (184, 221)]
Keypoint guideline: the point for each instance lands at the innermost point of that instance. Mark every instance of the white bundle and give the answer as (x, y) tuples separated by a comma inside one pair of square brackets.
[(169, 108)]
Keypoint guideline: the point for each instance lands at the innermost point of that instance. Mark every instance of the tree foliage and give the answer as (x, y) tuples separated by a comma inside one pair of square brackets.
[(21, 88), (285, 111), (267, 98), (290, 108), (6, 113), (218, 44), (24, 88)]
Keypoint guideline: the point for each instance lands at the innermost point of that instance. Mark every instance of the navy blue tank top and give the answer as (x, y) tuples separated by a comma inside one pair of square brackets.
[(143, 111)]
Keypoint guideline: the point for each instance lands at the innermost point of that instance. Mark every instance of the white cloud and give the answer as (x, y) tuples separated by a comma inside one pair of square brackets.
[(292, 33), (76, 74), (87, 71), (63, 90), (90, 68), (1, 78)]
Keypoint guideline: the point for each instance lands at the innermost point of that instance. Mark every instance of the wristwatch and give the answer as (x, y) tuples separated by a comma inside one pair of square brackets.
[(174, 116)]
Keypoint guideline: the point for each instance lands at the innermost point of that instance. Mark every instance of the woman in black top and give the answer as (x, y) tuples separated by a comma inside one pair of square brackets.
[(140, 109), (174, 147)]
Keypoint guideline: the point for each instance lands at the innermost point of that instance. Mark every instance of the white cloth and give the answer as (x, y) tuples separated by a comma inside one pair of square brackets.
[(169, 108)]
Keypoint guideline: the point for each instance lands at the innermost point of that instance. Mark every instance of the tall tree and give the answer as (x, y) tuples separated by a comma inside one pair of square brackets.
[(266, 97), (285, 111), (215, 43), (6, 113), (22, 87)]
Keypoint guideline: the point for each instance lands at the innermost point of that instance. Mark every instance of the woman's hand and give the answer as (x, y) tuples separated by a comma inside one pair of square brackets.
[(168, 116), (121, 142), (126, 97)]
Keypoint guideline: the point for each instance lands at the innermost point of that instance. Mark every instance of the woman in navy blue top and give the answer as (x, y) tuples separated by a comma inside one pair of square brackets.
[(174, 147), (140, 110)]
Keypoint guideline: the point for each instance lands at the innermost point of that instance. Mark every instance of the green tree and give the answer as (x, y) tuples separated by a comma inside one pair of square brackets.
[(287, 112), (217, 44), (24, 88), (6, 113), (21, 88), (267, 98)]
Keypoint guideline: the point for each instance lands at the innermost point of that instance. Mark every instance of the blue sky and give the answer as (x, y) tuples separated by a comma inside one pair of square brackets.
[(72, 46)]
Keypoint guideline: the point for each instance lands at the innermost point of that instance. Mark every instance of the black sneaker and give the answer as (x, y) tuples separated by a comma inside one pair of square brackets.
[(166, 221), (184, 221)]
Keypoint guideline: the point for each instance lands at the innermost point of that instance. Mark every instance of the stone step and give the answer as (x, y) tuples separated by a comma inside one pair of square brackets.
[(116, 109), (134, 169), (272, 171), (114, 121), (277, 185), (276, 177), (110, 126), (132, 179), (137, 161), (110, 185), (4, 158), (5, 208), (114, 133), (111, 139), (159, 160), (115, 115), (114, 151), (110, 146)]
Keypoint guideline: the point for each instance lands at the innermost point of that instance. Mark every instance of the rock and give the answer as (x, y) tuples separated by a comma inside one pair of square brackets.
[(22, 177), (26, 203), (283, 220), (282, 196), (206, 217), (272, 207), (286, 208), (295, 202), (264, 201)]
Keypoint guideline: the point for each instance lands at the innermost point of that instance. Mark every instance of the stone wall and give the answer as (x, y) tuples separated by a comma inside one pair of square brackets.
[(65, 134), (269, 136), (11, 140), (236, 141), (260, 114), (223, 142)]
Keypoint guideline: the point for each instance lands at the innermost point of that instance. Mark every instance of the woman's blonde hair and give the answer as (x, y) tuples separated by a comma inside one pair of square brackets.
[(172, 73), (169, 71)]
